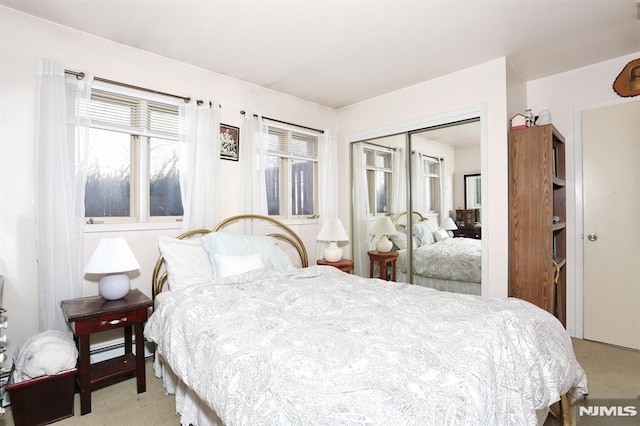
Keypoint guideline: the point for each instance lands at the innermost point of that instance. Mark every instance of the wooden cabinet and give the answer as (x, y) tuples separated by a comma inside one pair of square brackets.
[(471, 231), (537, 218)]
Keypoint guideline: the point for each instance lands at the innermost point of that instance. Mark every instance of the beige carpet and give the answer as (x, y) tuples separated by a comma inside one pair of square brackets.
[(611, 371)]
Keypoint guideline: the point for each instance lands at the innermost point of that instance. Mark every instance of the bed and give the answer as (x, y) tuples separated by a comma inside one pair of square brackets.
[(439, 261), (314, 345)]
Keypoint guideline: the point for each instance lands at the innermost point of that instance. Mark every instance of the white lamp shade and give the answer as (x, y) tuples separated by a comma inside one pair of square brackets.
[(448, 224), (384, 226), (332, 230), (111, 256)]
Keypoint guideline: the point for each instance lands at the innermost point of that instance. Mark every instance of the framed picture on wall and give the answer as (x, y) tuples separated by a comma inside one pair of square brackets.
[(229, 142)]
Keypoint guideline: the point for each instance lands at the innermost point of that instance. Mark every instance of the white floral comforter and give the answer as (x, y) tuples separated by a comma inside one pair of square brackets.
[(457, 259), (325, 347)]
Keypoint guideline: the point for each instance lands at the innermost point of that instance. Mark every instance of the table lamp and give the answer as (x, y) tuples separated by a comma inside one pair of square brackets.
[(112, 258), (384, 227), (449, 225), (332, 231)]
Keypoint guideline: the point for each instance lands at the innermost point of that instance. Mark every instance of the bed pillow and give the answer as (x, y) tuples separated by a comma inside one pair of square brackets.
[(399, 240), (230, 244), (234, 265), (441, 234), (186, 261), (424, 232)]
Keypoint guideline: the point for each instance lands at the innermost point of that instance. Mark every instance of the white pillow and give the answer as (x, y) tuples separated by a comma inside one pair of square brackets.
[(424, 231), (186, 261), (234, 265), (441, 234), (399, 240), (230, 244)]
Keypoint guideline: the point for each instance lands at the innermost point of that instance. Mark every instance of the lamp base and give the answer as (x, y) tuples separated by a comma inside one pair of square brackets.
[(384, 245), (332, 253), (114, 286)]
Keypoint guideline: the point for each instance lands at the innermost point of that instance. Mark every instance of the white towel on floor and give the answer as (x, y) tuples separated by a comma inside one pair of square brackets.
[(45, 354)]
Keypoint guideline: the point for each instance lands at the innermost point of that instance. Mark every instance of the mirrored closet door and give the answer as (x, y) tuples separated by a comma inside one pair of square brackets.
[(416, 181)]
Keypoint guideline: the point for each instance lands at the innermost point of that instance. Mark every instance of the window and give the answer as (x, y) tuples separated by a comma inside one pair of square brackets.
[(132, 173), (291, 172), (432, 183), (379, 175)]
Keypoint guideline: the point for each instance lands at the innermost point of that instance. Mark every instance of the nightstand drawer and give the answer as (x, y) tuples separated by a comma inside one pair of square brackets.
[(109, 322)]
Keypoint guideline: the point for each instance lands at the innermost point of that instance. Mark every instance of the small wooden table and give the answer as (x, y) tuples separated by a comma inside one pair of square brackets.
[(383, 258), (345, 265), (94, 314)]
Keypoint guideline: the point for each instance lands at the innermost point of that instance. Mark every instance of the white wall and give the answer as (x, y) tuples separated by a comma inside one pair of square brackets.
[(24, 39), (467, 160), (567, 95), (482, 87)]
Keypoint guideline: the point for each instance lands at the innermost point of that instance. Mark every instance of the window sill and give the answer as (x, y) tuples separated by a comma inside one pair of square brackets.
[(117, 227)]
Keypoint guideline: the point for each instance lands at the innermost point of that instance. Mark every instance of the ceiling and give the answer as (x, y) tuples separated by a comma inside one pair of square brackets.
[(339, 52)]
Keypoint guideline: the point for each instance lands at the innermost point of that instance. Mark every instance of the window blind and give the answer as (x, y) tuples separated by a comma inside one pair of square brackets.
[(138, 116)]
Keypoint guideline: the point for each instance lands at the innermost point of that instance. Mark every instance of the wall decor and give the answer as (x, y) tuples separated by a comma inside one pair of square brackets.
[(229, 142), (627, 83)]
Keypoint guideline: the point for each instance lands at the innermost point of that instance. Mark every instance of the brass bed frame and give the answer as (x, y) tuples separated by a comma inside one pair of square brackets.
[(159, 276)]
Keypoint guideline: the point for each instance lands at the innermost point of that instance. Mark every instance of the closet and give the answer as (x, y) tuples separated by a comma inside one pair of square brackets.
[(433, 186)]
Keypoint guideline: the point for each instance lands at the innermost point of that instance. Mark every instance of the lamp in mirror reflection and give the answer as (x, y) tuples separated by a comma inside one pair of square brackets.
[(332, 232), (449, 225), (384, 227), (111, 259)]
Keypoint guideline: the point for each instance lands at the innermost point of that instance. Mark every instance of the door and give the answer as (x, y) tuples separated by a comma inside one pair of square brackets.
[(611, 182)]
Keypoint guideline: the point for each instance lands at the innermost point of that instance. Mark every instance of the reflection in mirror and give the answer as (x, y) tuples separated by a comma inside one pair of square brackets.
[(379, 190), (472, 191), (437, 158)]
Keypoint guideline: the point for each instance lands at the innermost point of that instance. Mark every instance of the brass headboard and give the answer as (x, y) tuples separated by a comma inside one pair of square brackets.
[(396, 219), (159, 277)]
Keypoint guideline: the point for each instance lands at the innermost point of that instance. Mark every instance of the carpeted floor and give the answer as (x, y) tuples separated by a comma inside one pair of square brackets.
[(612, 373)]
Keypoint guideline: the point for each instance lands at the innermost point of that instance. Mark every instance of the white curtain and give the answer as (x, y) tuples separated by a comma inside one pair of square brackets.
[(417, 183), (361, 213), (61, 132), (199, 165), (399, 184), (444, 210), (328, 181), (253, 155)]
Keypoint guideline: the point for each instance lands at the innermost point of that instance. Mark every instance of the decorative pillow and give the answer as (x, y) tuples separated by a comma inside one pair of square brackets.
[(399, 240), (186, 261), (230, 244), (441, 234), (424, 231), (234, 265)]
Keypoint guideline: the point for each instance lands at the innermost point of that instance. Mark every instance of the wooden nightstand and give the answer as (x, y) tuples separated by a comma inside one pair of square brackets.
[(383, 258), (345, 265), (470, 231), (89, 315)]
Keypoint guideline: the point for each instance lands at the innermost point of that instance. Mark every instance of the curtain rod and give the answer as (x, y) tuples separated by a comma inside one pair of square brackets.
[(286, 122), (392, 148), (80, 76)]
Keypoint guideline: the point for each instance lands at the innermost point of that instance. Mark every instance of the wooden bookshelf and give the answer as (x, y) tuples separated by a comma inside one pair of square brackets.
[(537, 194)]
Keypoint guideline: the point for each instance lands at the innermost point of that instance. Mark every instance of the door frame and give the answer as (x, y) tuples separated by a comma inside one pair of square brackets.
[(575, 293)]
